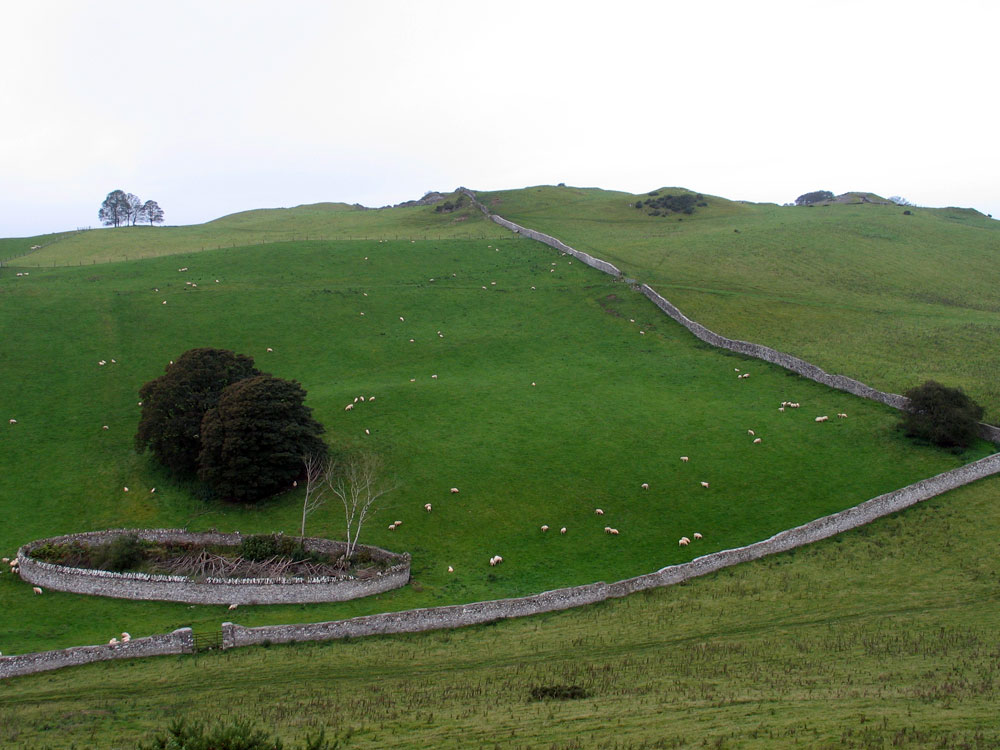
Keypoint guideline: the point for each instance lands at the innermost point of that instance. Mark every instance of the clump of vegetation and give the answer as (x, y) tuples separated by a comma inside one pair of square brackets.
[(125, 552), (558, 692), (242, 432), (236, 736), (448, 206), (817, 196), (664, 205), (943, 416), (266, 546)]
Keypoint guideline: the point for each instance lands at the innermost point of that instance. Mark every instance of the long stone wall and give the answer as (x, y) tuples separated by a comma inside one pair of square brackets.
[(766, 353), (435, 618), (180, 641), (209, 590)]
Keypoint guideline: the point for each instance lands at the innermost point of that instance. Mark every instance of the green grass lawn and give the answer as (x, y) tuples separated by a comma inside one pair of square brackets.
[(615, 404), (885, 636), (862, 290)]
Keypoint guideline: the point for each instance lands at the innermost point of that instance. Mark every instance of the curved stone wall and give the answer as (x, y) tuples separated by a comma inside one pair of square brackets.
[(209, 590)]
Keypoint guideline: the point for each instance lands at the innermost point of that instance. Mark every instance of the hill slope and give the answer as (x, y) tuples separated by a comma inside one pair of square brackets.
[(864, 290)]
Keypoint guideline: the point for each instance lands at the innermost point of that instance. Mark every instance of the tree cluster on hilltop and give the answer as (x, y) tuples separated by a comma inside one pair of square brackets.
[(214, 416), (817, 196), (121, 209), (664, 205)]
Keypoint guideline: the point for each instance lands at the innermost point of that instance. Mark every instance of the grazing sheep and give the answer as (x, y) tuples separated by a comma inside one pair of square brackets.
[(562, 530), (113, 642), (367, 431), (270, 349), (105, 427), (125, 489), (607, 529), (126, 638), (685, 459), (392, 527), (451, 569), (697, 535), (398, 523), (842, 415), (545, 527), (756, 441), (370, 399), (12, 421), (434, 377), (751, 432), (705, 485), (598, 511), (454, 490), (613, 532), (348, 407), (36, 589), (644, 485), (401, 317), (683, 542), (781, 408), (233, 605), (427, 507), (822, 419)]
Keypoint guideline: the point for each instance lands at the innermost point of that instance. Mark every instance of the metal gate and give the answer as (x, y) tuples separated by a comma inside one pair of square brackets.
[(207, 641)]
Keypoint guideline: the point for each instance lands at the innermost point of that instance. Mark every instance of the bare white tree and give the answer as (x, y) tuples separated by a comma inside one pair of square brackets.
[(357, 480), (317, 470)]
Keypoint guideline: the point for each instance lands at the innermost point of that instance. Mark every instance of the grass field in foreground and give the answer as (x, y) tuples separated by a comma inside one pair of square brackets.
[(615, 404), (886, 636), (863, 290)]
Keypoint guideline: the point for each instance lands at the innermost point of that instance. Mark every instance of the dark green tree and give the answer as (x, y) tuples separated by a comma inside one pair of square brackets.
[(253, 441), (943, 416), (151, 212), (813, 197), (115, 209), (174, 404)]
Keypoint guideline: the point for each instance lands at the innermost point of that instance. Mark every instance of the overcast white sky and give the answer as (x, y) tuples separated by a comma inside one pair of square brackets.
[(215, 107)]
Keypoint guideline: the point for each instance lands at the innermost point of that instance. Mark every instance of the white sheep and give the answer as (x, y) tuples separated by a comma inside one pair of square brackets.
[(434, 377), (756, 441), (697, 535), (392, 527), (12, 421), (683, 542), (125, 489), (113, 642), (545, 527), (685, 459), (348, 407), (751, 432), (126, 638), (822, 419), (233, 605), (454, 490), (562, 530), (451, 569), (607, 529), (398, 523), (598, 511), (705, 485), (645, 485), (427, 507), (842, 415), (613, 532), (105, 427), (36, 589), (270, 349)]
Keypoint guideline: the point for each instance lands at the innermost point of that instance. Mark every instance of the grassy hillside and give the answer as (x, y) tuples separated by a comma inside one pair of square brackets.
[(261, 226), (615, 404), (863, 290), (883, 637)]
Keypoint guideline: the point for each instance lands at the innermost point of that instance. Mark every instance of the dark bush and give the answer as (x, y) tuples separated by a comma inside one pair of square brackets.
[(266, 546), (254, 439), (236, 736), (907, 212), (558, 692), (174, 404), (816, 196), (123, 553), (942, 416)]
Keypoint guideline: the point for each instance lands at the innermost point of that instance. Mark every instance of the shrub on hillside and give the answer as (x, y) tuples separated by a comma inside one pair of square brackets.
[(236, 736), (685, 203), (814, 197), (943, 416), (123, 553), (253, 441), (174, 404)]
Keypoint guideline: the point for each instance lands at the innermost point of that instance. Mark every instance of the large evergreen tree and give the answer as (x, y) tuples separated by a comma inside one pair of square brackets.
[(174, 404), (253, 441)]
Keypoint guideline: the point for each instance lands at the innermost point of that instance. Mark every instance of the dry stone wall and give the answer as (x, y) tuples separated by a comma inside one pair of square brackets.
[(435, 618), (766, 353), (209, 590), (178, 642)]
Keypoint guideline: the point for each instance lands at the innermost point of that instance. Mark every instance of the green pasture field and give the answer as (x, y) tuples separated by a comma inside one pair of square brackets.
[(330, 221), (882, 637), (863, 290), (615, 404)]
